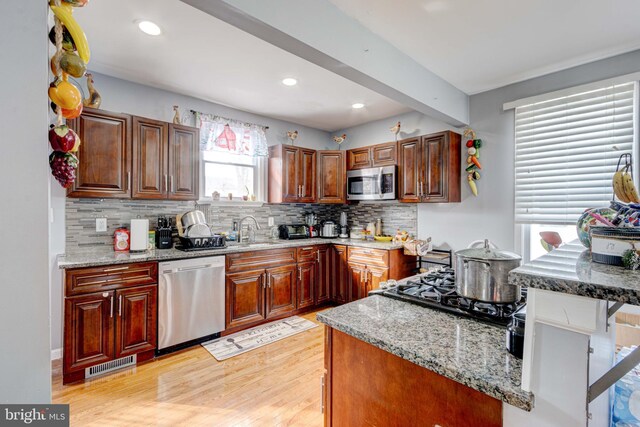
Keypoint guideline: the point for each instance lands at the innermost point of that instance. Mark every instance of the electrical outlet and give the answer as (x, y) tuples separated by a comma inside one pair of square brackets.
[(101, 225), (271, 222)]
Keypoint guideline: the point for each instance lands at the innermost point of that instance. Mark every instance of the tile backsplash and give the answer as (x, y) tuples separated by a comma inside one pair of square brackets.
[(82, 213)]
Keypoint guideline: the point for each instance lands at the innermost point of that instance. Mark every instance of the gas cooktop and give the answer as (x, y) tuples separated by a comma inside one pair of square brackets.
[(438, 290)]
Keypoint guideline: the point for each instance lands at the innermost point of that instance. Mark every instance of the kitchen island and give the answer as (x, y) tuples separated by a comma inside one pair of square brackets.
[(389, 362)]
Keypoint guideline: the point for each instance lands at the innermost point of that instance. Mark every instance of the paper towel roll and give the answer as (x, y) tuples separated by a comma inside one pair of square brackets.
[(139, 235)]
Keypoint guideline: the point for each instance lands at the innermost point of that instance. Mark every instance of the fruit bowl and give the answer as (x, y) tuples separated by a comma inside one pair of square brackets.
[(383, 238)]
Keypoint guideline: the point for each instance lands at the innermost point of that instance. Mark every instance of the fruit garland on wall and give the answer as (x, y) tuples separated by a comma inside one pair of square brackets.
[(473, 163), (70, 59)]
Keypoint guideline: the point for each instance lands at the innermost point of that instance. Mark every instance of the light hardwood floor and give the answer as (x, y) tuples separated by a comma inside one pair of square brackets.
[(275, 385)]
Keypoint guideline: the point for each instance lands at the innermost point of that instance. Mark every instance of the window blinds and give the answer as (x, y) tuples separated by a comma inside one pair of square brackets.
[(567, 150)]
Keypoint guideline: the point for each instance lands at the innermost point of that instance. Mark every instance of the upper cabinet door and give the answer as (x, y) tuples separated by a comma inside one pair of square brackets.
[(442, 171), (359, 158), (435, 157), (150, 180), (410, 170), (290, 175), (331, 177), (307, 175), (384, 154), (104, 170), (184, 162)]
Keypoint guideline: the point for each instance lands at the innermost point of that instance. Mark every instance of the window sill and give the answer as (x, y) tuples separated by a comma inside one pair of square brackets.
[(247, 203)]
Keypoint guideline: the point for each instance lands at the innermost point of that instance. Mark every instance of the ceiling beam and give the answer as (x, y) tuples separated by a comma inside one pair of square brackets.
[(319, 32)]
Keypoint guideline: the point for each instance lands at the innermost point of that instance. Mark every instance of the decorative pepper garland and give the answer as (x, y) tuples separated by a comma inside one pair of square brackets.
[(71, 58), (473, 164)]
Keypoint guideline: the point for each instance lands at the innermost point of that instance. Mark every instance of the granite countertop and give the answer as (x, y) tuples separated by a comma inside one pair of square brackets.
[(465, 350), (569, 269), (107, 256)]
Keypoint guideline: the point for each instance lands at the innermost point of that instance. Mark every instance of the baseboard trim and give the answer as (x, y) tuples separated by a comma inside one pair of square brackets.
[(56, 354)]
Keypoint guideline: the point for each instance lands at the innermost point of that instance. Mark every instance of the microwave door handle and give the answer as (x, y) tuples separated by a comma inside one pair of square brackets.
[(380, 184)]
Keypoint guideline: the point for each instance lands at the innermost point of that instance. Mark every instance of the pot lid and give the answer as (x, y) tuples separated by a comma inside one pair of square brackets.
[(487, 252)]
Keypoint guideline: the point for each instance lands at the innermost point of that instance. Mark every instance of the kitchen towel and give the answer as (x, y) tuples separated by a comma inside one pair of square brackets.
[(250, 339)]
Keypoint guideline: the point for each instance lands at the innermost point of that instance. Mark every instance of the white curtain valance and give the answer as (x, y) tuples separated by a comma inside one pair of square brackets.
[(231, 136)]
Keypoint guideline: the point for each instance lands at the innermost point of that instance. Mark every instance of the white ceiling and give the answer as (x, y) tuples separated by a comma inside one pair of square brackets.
[(480, 45), (201, 56)]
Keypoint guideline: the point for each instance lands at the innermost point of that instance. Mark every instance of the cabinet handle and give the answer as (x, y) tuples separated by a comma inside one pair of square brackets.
[(120, 306), (166, 183), (322, 394), (115, 269), (299, 274), (268, 279), (172, 186), (111, 306), (128, 181), (318, 256), (262, 280)]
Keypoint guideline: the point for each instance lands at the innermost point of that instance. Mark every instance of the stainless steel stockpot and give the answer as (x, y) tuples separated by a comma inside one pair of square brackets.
[(482, 274), (192, 218)]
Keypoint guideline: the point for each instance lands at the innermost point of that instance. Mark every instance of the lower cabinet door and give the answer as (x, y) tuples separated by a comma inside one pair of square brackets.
[(306, 284), (339, 277), (244, 298), (136, 323), (323, 284), (375, 275), (281, 290), (88, 330), (357, 281)]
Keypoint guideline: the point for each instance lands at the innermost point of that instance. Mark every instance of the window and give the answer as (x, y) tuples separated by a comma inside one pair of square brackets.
[(234, 158), (232, 173), (567, 148)]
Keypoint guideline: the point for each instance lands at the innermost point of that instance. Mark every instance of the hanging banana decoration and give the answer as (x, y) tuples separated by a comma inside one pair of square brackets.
[(473, 162), (71, 58), (623, 186)]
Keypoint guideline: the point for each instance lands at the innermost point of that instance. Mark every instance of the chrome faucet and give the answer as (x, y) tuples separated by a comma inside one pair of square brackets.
[(241, 232)]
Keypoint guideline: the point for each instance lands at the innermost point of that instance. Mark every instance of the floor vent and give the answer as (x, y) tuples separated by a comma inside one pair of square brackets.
[(109, 366)]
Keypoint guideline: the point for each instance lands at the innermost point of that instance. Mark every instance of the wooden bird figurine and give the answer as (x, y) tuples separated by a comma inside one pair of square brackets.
[(292, 135), (176, 116), (94, 100), (340, 139), (395, 130)]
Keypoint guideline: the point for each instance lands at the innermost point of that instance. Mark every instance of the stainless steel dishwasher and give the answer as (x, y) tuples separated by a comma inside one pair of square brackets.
[(191, 300)]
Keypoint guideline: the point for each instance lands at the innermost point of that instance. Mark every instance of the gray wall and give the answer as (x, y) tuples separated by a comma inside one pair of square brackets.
[(491, 214), (24, 277)]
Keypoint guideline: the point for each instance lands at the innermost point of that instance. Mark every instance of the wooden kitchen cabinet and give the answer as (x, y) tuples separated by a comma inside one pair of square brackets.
[(365, 278), (292, 174), (306, 284), (184, 162), (109, 312), (323, 283), (150, 156), (136, 321), (280, 287), (134, 157), (104, 170), (372, 156), (245, 298), (429, 168), (331, 177), (375, 275), (339, 277)]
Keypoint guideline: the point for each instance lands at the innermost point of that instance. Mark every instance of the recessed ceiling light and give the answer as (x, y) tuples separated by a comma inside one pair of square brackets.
[(289, 81), (150, 28), (357, 105)]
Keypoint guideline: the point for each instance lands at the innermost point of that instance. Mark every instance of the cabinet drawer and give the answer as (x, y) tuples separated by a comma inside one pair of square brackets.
[(254, 260), (95, 279), (368, 256), (307, 253)]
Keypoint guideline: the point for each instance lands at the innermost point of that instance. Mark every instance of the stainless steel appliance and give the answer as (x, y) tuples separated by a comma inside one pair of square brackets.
[(191, 303), (482, 274), (329, 230), (372, 184), (294, 231), (438, 290), (312, 221), (344, 227)]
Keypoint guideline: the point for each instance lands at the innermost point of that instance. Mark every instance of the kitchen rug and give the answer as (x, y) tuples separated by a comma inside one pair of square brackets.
[(258, 336)]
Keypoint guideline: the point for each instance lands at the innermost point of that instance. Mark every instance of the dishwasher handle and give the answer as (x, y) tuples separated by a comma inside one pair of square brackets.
[(197, 267)]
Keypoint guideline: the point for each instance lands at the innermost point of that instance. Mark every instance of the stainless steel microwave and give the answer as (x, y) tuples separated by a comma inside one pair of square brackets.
[(372, 184)]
